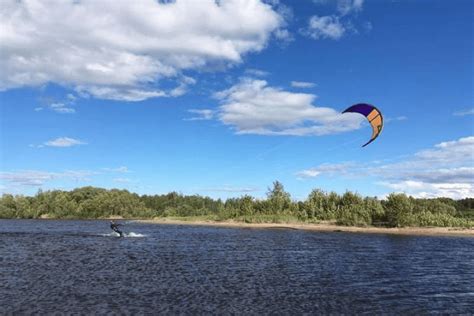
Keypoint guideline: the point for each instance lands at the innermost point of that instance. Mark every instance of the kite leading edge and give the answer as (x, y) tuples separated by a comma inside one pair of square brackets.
[(372, 114)]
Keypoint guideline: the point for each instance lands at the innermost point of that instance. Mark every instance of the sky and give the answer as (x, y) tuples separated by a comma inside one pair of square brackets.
[(221, 98)]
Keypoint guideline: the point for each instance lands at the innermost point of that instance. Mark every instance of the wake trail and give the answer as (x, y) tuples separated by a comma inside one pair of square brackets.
[(125, 235)]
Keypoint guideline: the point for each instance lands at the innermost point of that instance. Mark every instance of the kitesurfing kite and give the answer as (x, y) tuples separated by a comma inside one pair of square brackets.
[(372, 114)]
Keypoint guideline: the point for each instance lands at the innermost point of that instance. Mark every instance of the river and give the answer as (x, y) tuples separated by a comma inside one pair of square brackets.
[(81, 267)]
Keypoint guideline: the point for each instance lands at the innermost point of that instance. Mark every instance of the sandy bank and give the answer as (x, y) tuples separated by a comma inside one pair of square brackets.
[(324, 227)]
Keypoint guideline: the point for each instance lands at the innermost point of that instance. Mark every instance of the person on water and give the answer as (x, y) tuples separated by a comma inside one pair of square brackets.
[(115, 226)]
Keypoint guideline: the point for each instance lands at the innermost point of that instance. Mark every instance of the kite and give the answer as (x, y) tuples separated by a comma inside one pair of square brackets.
[(372, 114)]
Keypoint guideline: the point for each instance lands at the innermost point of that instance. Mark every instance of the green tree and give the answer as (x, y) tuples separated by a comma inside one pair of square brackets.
[(279, 200), (399, 210), (375, 209), (8, 206), (316, 204), (353, 210)]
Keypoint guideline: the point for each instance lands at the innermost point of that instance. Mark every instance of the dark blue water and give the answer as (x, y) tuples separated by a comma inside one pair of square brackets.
[(78, 267)]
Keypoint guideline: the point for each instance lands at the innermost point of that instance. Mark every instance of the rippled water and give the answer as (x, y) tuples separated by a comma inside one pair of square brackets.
[(81, 267)]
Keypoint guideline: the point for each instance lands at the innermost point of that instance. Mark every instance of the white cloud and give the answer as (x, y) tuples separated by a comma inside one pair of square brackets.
[(432, 190), (35, 146), (122, 49), (232, 189), (392, 119), (203, 114), (284, 35), (28, 178), (447, 170), (324, 27), (253, 107), (17, 181), (65, 110), (337, 25), (119, 93), (308, 173), (64, 142), (367, 26), (121, 169), (327, 169), (302, 84), (464, 112), (182, 87), (349, 6), (449, 153), (122, 180), (61, 108), (39, 178), (459, 174), (252, 72), (56, 105), (281, 33)]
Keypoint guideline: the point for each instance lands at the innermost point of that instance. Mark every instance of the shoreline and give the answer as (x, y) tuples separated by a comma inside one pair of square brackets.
[(321, 227)]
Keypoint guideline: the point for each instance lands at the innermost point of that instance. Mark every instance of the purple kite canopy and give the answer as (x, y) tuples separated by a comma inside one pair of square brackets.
[(361, 108)]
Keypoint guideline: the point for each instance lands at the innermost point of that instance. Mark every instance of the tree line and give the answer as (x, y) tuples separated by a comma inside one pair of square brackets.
[(350, 208)]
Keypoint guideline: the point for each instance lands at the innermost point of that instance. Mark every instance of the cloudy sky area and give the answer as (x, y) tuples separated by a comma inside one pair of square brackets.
[(222, 98)]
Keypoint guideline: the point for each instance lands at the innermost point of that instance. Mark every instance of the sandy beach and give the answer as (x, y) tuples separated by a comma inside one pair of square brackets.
[(323, 227)]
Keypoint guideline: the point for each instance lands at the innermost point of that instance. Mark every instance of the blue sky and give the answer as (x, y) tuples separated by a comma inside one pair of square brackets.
[(223, 99)]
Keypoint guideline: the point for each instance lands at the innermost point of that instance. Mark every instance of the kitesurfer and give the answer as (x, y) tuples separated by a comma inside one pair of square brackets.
[(114, 226)]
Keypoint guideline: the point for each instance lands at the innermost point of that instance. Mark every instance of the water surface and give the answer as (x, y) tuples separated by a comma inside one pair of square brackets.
[(81, 267)]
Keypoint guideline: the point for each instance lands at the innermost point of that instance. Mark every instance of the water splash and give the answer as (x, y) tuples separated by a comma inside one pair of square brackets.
[(109, 235), (135, 235)]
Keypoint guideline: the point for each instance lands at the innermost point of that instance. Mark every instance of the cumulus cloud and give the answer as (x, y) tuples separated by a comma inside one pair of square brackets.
[(253, 107), (123, 52), (284, 35), (232, 189), (252, 72), (64, 142), (29, 178), (201, 115), (397, 118), (328, 169), (39, 178), (286, 12), (16, 181), (302, 84), (450, 153), (464, 112), (344, 7), (432, 190), (119, 93), (337, 25), (322, 27), (122, 180), (62, 106), (121, 169), (367, 26), (349, 6), (446, 169)]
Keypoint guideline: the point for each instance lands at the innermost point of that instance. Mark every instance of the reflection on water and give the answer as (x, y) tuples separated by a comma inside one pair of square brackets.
[(80, 267)]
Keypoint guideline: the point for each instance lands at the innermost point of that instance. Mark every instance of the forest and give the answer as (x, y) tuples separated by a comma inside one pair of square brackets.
[(351, 209)]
